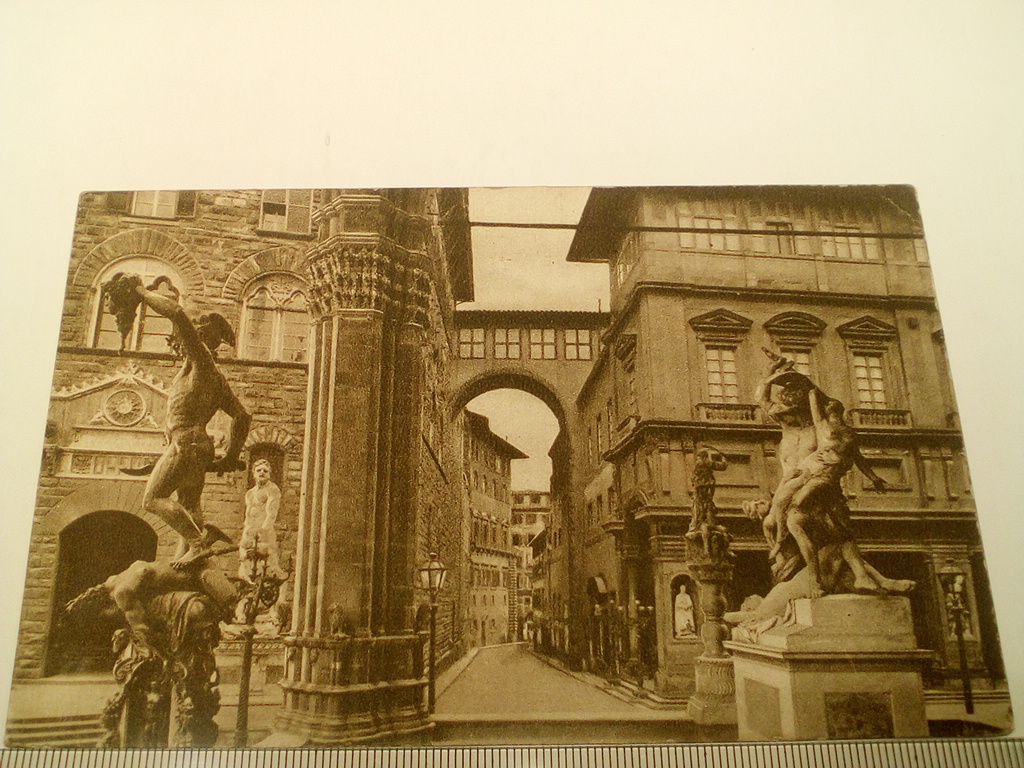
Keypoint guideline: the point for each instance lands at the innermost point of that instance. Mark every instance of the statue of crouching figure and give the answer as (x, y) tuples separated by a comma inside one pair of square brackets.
[(165, 665)]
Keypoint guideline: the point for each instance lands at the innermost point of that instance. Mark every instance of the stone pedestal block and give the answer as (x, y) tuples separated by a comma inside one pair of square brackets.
[(714, 702), (676, 662), (837, 667), (267, 666)]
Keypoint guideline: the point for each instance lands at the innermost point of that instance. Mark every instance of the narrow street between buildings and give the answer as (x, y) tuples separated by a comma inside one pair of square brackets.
[(508, 694)]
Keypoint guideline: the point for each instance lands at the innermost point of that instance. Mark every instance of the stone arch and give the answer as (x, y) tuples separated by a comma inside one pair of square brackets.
[(502, 378), (288, 259), (92, 548), (124, 495), (272, 433), (141, 242), (636, 499)]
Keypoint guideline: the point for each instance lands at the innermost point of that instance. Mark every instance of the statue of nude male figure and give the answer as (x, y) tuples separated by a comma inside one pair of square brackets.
[(197, 393)]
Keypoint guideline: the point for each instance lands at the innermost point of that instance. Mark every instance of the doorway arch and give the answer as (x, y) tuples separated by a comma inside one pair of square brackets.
[(90, 549)]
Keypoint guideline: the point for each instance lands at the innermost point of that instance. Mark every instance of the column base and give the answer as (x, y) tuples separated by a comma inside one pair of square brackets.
[(356, 690)]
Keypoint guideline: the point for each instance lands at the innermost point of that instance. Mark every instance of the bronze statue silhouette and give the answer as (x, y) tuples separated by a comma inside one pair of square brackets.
[(199, 390)]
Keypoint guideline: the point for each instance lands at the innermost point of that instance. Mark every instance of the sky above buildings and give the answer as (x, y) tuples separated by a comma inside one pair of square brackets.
[(526, 269)]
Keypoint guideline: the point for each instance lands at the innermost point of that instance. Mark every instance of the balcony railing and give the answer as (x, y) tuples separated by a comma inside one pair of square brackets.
[(743, 413), (880, 417)]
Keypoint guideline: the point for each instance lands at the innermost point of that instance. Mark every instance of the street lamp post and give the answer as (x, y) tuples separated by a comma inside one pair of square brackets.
[(953, 583), (432, 580), (259, 595)]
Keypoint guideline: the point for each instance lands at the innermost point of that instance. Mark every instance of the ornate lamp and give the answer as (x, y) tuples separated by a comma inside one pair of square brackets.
[(433, 576)]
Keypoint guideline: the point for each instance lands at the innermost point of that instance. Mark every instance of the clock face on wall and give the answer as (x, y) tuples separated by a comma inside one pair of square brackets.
[(124, 408)]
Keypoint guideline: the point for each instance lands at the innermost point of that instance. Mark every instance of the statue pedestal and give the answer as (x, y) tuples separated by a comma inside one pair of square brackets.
[(714, 702), (836, 667)]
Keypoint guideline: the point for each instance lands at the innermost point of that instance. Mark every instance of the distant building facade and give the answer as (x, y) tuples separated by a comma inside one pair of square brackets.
[(492, 606), (530, 510)]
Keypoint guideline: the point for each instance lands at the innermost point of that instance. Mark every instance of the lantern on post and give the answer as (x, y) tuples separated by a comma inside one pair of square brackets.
[(433, 576)]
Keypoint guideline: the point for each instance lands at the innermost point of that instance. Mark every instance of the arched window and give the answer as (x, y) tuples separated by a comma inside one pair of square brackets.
[(151, 330), (275, 323)]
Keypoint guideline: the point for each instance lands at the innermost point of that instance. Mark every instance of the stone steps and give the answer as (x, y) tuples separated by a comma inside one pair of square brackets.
[(69, 732)]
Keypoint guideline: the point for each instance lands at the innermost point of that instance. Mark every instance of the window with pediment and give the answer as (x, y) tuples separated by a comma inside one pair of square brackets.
[(869, 380), (275, 321), (150, 330), (721, 333), (723, 384), (872, 371), (796, 334)]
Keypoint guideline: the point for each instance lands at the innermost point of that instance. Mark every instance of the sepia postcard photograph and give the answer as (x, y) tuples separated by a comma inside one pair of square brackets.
[(297, 489), (426, 377)]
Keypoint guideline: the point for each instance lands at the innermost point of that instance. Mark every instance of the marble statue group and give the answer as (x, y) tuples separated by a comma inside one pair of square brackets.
[(807, 521)]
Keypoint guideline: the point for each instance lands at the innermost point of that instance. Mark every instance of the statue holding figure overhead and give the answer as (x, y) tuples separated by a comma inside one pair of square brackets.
[(165, 663), (807, 522), (197, 393)]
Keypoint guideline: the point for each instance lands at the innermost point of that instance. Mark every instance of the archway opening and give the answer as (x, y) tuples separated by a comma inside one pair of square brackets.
[(514, 457), (91, 549)]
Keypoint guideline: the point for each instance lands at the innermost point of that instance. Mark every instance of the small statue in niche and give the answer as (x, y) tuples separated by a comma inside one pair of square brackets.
[(685, 624)]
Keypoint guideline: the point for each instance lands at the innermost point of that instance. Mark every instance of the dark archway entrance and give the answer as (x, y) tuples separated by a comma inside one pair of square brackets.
[(92, 548)]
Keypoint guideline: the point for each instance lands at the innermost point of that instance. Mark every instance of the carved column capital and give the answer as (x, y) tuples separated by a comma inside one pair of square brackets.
[(376, 275)]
